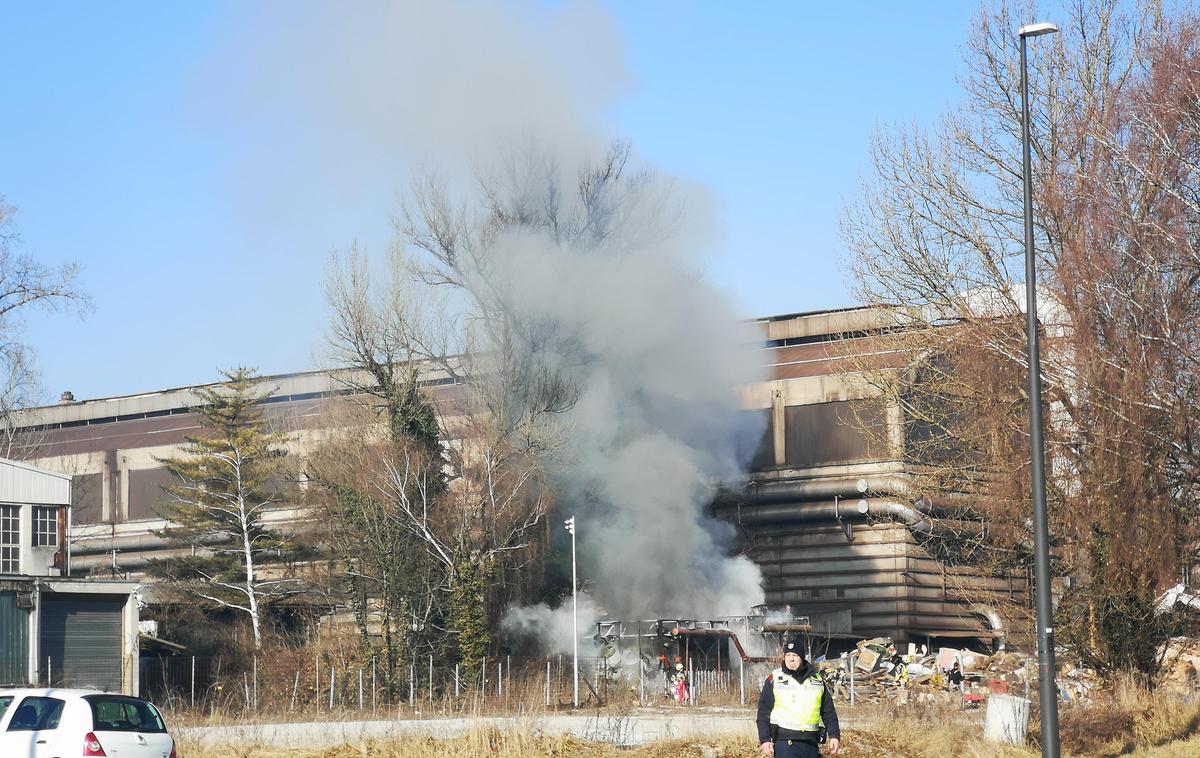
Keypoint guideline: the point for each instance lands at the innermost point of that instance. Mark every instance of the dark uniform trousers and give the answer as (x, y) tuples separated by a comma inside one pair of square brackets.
[(796, 749)]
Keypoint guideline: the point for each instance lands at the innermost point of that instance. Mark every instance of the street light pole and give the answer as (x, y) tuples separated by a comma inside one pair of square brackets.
[(570, 524), (1047, 689)]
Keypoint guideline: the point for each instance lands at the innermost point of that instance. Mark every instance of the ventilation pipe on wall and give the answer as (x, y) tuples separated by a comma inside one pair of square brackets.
[(992, 617)]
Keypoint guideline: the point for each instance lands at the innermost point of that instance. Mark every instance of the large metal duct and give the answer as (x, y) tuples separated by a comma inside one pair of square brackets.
[(105, 544), (876, 485), (769, 491), (846, 511), (992, 617)]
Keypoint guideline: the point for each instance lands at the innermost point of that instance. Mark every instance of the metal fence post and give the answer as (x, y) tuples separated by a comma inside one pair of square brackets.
[(317, 678), (547, 682), (742, 683), (373, 684), (691, 681), (256, 682), (431, 680), (641, 672), (193, 684), (360, 688), (332, 682), (456, 682), (295, 689), (499, 679), (853, 656), (412, 684)]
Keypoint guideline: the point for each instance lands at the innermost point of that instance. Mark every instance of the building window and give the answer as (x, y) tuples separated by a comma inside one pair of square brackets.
[(45, 526), (10, 539)]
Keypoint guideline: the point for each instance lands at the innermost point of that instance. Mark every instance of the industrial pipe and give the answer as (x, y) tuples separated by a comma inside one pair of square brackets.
[(765, 514), (788, 628), (89, 542), (127, 560), (768, 491), (678, 632), (992, 617), (761, 492)]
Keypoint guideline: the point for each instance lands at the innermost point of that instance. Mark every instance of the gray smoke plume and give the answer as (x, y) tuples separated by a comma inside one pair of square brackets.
[(623, 313), (607, 294)]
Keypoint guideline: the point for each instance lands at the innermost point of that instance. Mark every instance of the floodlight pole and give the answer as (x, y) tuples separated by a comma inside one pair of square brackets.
[(1047, 688)]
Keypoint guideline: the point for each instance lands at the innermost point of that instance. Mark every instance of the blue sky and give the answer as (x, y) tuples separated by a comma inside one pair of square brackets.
[(146, 141)]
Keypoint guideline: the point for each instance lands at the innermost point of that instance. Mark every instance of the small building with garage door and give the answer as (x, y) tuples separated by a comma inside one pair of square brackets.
[(57, 631)]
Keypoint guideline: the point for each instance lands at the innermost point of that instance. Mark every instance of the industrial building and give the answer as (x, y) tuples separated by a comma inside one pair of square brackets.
[(826, 514), (57, 630)]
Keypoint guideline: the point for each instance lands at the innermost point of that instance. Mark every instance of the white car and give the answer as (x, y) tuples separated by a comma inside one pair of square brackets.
[(60, 723)]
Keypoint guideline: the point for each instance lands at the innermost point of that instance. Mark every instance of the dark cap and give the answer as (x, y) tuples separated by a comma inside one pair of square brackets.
[(792, 645)]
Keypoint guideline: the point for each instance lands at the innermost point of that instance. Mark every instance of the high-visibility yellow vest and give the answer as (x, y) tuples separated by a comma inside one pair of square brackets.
[(797, 704)]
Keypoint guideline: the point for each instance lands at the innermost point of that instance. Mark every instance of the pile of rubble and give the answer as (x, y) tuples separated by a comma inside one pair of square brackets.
[(880, 671)]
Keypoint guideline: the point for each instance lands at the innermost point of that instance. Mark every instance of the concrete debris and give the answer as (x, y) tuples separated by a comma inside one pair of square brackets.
[(881, 673), (1179, 595), (949, 674)]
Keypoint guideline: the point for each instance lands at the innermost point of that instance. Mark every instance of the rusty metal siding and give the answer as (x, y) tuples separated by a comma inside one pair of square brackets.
[(888, 582), (87, 500), (172, 428), (113, 503), (146, 496), (830, 433)]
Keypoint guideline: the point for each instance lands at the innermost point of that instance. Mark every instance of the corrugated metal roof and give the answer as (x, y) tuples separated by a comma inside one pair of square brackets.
[(23, 483)]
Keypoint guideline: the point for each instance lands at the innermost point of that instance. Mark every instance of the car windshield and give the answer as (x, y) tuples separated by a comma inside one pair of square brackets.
[(111, 713), (36, 713)]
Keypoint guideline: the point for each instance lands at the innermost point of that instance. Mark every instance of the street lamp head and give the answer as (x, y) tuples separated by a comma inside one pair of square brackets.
[(1037, 30)]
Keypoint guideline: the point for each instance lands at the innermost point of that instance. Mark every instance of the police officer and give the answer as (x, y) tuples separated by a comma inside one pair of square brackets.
[(793, 707)]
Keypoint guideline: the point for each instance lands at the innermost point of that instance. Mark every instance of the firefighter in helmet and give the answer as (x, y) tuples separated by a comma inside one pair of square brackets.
[(795, 709)]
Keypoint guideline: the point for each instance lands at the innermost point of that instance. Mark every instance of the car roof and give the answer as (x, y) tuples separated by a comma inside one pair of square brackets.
[(56, 692)]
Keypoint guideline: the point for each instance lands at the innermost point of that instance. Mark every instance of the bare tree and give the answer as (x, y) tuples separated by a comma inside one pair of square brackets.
[(431, 541), (937, 237), (388, 336), (527, 200), (25, 282)]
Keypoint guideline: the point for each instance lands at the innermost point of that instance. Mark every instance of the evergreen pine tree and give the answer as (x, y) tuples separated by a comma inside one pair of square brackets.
[(228, 478)]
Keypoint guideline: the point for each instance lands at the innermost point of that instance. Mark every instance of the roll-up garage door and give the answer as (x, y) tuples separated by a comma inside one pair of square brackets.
[(14, 631), (81, 641)]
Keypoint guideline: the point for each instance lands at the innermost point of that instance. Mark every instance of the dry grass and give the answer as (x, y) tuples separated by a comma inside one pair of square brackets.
[(494, 744), (1131, 721), (1128, 722), (898, 740)]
